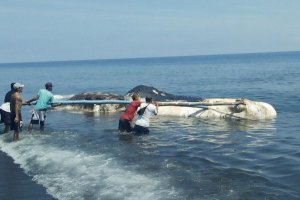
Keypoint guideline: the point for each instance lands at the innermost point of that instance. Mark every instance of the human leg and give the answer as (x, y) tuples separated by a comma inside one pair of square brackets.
[(124, 125), (35, 119), (30, 127), (128, 126), (42, 116), (121, 127), (16, 136), (140, 130), (16, 127), (42, 125), (6, 128)]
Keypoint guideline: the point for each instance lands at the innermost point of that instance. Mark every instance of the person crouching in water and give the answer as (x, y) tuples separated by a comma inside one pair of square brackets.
[(143, 121), (128, 115), (44, 99)]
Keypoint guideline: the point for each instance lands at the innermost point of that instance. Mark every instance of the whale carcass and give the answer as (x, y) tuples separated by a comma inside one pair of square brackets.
[(181, 106), (213, 108)]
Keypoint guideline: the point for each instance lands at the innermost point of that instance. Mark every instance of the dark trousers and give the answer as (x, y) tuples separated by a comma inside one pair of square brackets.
[(140, 130), (5, 117), (13, 125), (124, 125)]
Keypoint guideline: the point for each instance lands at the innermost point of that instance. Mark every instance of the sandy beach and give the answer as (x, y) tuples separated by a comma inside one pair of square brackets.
[(16, 185)]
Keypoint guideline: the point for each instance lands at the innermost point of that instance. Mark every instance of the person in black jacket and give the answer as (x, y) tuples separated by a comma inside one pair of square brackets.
[(5, 109)]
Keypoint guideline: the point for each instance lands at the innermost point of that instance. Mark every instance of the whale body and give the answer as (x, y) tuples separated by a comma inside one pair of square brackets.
[(250, 110), (182, 106), (214, 108), (148, 91)]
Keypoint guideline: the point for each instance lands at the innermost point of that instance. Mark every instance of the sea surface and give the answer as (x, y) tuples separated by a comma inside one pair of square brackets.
[(79, 156)]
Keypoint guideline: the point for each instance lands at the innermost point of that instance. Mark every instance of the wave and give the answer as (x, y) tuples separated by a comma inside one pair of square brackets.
[(70, 173)]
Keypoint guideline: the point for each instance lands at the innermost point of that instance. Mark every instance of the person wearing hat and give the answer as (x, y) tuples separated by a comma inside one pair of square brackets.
[(44, 99), (15, 109)]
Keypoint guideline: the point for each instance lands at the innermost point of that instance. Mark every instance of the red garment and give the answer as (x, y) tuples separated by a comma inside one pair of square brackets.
[(130, 110)]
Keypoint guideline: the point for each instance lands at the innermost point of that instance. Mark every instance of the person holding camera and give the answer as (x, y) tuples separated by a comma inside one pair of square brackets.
[(147, 109)]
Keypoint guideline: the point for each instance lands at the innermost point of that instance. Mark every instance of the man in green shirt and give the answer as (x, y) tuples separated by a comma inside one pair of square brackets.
[(44, 99)]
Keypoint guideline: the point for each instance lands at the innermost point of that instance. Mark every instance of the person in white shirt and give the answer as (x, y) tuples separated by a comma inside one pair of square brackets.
[(143, 121)]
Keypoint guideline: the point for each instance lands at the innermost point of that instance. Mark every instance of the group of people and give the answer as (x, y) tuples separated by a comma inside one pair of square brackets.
[(12, 118), (11, 108), (142, 122)]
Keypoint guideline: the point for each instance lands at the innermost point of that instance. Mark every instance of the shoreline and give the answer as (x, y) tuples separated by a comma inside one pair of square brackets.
[(15, 184)]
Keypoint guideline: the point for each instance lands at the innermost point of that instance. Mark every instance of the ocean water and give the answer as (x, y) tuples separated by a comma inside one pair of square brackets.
[(80, 156)]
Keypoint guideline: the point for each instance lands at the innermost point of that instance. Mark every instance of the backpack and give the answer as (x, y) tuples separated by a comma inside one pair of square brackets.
[(142, 110)]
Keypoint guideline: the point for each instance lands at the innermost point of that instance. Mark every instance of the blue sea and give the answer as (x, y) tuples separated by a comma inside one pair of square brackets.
[(79, 156)]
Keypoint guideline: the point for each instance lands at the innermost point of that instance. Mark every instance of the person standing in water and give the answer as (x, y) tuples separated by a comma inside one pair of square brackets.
[(15, 108), (5, 109), (143, 121), (44, 98), (128, 115)]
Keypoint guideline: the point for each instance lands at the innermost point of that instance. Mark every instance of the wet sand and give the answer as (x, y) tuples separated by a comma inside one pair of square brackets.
[(16, 185)]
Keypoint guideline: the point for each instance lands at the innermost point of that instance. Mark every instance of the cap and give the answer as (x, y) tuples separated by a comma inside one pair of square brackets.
[(47, 85), (18, 85)]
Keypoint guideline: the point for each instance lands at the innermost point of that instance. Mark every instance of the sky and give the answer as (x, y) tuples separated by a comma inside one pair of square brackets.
[(60, 30)]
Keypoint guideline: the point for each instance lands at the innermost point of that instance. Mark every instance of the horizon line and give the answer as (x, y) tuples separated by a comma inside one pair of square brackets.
[(137, 58)]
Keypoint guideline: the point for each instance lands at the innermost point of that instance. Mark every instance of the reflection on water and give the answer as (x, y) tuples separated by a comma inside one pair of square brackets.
[(218, 125)]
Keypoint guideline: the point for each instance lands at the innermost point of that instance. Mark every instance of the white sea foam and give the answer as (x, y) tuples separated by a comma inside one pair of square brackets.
[(75, 174), (63, 97)]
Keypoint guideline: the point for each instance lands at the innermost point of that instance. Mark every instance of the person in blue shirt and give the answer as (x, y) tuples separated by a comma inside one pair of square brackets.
[(44, 100)]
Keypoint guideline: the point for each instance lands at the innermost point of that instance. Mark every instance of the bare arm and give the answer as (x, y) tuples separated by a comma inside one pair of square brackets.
[(55, 104), (17, 118), (17, 106), (31, 100)]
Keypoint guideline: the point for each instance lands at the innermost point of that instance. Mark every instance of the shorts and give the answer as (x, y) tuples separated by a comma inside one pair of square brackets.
[(38, 116), (140, 130), (124, 125), (5, 117), (13, 125)]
